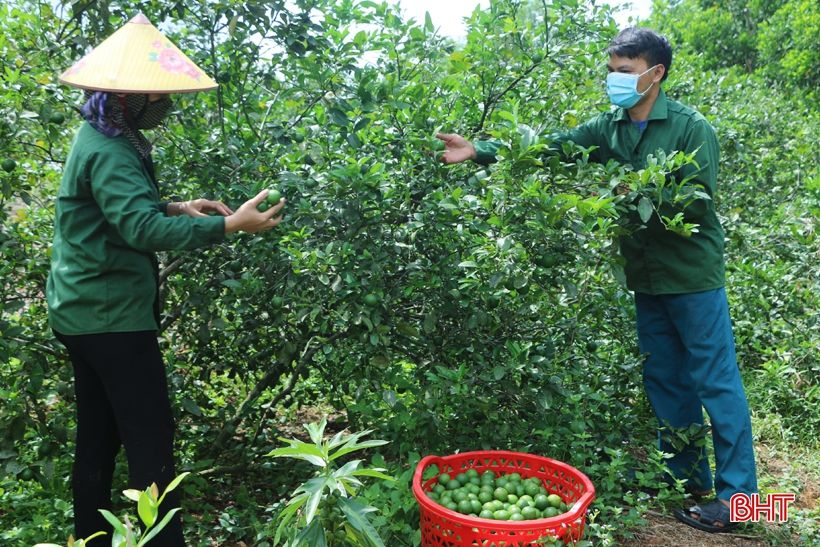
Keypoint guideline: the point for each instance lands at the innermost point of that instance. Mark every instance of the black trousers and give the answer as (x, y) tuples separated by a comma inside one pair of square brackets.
[(122, 400)]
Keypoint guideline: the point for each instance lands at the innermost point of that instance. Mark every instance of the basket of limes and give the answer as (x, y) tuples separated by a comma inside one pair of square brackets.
[(494, 498)]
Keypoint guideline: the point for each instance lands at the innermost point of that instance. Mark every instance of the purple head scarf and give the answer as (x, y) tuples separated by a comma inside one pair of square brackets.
[(94, 112)]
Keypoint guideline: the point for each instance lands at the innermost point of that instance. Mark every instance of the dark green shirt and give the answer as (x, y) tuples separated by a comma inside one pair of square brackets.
[(108, 224), (659, 261)]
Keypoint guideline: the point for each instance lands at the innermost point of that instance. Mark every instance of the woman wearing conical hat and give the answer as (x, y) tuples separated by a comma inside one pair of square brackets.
[(102, 290)]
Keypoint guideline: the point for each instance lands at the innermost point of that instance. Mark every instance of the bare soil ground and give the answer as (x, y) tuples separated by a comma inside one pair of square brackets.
[(665, 530)]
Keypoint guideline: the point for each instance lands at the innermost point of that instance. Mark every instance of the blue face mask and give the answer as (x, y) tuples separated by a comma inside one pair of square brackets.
[(623, 88)]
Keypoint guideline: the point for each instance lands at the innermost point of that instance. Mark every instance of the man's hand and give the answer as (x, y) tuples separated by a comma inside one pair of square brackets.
[(457, 148), (197, 208), (248, 218)]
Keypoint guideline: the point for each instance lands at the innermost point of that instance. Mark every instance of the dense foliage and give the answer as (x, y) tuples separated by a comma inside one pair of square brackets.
[(775, 37), (446, 308)]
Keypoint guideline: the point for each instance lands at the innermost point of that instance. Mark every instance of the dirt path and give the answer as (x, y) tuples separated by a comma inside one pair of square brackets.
[(665, 530)]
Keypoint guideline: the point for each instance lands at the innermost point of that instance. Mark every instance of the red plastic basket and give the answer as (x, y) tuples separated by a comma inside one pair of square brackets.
[(441, 527)]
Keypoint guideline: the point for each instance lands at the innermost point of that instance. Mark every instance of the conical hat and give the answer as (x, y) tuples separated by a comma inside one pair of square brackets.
[(137, 58)]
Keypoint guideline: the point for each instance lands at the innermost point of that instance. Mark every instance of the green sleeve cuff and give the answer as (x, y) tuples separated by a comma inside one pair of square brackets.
[(214, 228), (486, 151)]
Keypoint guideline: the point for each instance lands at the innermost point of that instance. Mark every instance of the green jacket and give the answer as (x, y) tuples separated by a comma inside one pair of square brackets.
[(659, 261), (108, 224)]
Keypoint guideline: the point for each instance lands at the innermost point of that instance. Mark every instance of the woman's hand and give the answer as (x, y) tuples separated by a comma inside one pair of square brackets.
[(197, 208), (248, 218), (457, 148)]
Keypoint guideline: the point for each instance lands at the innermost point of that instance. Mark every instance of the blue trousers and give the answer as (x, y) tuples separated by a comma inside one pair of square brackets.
[(691, 365)]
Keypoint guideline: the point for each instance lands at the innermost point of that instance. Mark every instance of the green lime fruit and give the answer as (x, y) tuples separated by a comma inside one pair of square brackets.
[(550, 512), (541, 502), (546, 260), (274, 196), (373, 300), (453, 485), (500, 494), (530, 513), (57, 118), (554, 500), (517, 516), (532, 489), (501, 514), (486, 514), (45, 450), (462, 478), (465, 507), (262, 207), (444, 478), (8, 165), (524, 501)]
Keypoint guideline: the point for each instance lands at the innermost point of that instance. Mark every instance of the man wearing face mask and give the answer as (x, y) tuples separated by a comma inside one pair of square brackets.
[(102, 290), (683, 319)]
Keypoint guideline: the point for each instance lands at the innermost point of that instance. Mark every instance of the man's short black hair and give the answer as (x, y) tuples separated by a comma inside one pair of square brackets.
[(635, 42)]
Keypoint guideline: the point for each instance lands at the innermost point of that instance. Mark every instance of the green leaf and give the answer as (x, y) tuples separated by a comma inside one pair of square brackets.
[(337, 439), (147, 510), (372, 473), (113, 521), (232, 284), (304, 451), (528, 137), (428, 23), (338, 117), (347, 469), (288, 513), (347, 449), (132, 494), (312, 536), (356, 514), (317, 431), (158, 528), (645, 209), (172, 485), (92, 536), (191, 407), (315, 487)]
